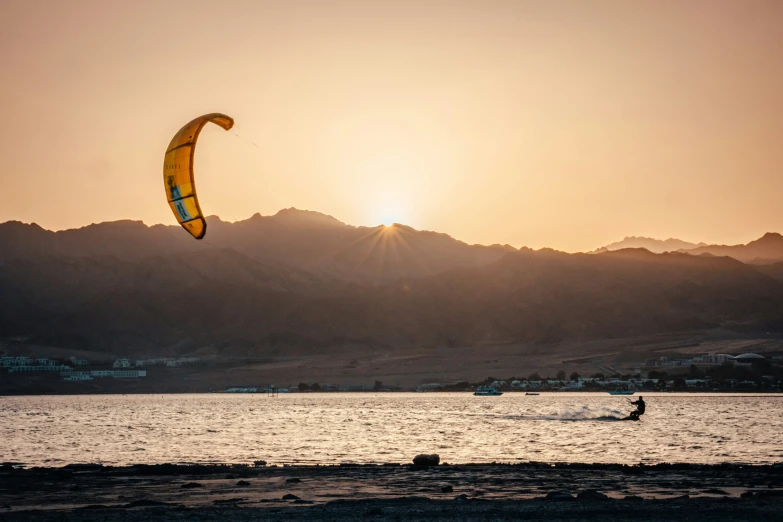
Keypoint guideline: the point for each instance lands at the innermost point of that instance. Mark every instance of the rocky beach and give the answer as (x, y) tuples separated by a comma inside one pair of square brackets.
[(535, 491)]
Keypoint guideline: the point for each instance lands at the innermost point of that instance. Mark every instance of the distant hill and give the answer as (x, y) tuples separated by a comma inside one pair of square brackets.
[(302, 282), (774, 270), (303, 239), (766, 250), (657, 246)]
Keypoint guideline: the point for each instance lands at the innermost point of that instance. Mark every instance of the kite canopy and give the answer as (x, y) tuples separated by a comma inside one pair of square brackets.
[(178, 173)]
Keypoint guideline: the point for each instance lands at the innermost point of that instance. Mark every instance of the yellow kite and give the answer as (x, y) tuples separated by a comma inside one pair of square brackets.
[(178, 173)]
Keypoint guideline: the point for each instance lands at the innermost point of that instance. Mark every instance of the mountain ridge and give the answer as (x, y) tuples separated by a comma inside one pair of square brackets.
[(306, 239), (768, 249), (653, 245), (241, 303)]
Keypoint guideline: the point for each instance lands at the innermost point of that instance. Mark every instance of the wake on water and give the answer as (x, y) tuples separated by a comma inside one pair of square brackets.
[(585, 413)]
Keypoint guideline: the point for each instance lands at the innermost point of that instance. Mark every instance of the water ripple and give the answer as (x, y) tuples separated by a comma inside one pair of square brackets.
[(333, 428)]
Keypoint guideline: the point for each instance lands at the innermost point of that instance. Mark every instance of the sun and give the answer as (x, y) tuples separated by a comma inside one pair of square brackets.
[(388, 212), (391, 209)]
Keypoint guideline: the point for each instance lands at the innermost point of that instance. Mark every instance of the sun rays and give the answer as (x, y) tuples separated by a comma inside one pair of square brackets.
[(385, 250)]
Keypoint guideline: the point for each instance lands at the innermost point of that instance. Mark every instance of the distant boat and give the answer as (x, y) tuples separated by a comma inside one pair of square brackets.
[(532, 393), (486, 391), (620, 392)]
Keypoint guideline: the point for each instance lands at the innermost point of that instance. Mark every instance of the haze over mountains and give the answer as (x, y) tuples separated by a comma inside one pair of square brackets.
[(766, 250), (657, 246), (301, 281)]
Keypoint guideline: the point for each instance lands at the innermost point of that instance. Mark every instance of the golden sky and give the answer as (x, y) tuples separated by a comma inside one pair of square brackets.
[(567, 124)]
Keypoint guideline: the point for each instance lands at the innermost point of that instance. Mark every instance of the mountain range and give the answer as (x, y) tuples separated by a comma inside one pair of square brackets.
[(296, 238), (300, 282), (766, 250), (657, 246)]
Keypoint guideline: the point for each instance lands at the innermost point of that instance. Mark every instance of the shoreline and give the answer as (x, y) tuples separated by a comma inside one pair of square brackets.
[(741, 393), (391, 491)]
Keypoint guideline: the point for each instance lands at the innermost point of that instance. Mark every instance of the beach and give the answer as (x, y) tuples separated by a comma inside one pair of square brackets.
[(392, 492)]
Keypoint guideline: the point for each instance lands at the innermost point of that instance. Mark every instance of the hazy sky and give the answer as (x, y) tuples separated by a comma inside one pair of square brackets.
[(567, 124)]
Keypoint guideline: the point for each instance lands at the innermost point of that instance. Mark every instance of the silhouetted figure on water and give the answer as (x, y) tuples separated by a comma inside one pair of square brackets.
[(640, 406)]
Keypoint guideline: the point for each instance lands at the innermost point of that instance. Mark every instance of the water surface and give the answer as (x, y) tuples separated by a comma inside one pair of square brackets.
[(330, 428)]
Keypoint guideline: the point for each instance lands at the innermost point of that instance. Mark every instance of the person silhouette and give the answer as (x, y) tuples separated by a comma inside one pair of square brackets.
[(640, 407)]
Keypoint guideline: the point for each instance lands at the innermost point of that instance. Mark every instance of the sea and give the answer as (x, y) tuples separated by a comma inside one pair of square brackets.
[(334, 428)]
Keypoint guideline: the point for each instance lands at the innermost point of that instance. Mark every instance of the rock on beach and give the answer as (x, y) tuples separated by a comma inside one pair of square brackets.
[(426, 460)]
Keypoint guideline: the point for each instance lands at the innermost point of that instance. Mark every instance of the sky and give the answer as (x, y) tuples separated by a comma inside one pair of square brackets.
[(552, 123)]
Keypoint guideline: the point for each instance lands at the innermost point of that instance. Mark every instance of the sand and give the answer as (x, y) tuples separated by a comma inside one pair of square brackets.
[(393, 492)]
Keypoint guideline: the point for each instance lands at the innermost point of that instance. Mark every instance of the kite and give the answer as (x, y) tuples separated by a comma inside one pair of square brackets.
[(178, 173)]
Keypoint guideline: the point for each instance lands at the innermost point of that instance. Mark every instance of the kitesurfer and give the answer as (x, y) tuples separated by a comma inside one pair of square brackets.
[(640, 406)]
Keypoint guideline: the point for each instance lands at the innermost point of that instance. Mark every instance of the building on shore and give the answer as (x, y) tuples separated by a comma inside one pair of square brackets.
[(76, 376), (748, 358), (89, 375), (38, 368), (169, 362), (8, 361), (713, 359)]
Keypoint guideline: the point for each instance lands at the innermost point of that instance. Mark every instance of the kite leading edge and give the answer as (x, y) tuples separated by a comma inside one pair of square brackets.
[(178, 173)]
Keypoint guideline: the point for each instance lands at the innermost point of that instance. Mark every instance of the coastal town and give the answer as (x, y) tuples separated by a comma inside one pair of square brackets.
[(720, 372), (75, 369)]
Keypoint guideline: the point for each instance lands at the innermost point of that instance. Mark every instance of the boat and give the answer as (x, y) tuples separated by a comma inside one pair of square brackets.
[(621, 392), (532, 393), (487, 391)]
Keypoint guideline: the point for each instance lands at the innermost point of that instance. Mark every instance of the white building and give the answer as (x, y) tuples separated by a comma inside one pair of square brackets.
[(38, 368), (158, 361), (122, 363), (76, 376), (665, 361), (713, 359), (119, 374), (16, 361), (748, 358)]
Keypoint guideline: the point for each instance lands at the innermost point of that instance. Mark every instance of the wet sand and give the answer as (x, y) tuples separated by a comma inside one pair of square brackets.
[(393, 492)]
